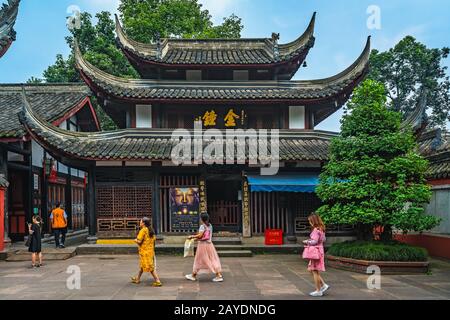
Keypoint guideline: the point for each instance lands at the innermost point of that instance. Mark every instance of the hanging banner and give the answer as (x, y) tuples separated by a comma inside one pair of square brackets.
[(246, 226), (203, 199), (184, 209), (53, 176)]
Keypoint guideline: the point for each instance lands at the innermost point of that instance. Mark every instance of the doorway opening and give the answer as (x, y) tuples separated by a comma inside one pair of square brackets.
[(225, 203)]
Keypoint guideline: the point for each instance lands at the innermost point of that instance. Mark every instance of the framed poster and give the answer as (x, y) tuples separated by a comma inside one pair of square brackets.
[(184, 209)]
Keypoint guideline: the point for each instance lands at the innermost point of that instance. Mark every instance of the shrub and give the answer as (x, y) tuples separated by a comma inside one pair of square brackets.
[(378, 251)]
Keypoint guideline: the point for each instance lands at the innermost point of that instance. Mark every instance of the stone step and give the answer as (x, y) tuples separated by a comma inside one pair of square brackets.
[(227, 241), (229, 247), (235, 254), (48, 254), (88, 249)]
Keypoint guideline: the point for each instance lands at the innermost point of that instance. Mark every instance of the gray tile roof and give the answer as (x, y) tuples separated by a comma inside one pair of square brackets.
[(334, 90), (49, 101), (153, 144), (218, 51), (434, 145), (8, 15)]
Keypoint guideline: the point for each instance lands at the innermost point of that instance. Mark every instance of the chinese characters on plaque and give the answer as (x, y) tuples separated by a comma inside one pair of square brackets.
[(203, 203), (233, 118), (246, 210)]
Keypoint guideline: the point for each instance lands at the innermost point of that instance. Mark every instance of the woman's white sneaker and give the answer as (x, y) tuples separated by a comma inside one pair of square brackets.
[(324, 288), (190, 277), (218, 279), (316, 294)]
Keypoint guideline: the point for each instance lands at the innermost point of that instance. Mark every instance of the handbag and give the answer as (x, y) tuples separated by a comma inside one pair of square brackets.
[(189, 248), (311, 253), (28, 242)]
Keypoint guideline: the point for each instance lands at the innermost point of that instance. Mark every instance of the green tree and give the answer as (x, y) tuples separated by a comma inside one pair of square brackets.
[(143, 20), (375, 177), (146, 20), (408, 68)]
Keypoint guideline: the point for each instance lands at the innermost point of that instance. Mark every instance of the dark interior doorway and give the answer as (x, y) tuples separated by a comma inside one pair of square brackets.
[(17, 207), (225, 202)]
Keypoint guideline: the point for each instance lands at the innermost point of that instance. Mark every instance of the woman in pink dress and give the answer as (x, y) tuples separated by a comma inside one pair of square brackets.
[(317, 238), (206, 257)]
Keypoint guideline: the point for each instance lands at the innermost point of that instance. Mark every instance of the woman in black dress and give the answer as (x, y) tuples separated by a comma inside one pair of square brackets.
[(35, 244)]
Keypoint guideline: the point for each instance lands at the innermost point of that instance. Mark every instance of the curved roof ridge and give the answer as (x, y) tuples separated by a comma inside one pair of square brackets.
[(303, 40), (356, 68), (263, 49), (8, 16), (153, 144)]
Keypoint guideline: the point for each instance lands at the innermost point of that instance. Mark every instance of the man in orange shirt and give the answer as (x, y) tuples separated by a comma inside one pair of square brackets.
[(58, 218)]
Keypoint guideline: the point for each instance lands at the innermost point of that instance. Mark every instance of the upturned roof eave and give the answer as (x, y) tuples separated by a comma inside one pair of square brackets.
[(149, 54), (314, 90)]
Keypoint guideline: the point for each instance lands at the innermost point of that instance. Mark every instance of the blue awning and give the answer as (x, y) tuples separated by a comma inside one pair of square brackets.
[(306, 182)]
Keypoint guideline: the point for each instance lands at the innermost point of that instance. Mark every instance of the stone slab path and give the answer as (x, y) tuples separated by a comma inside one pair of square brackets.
[(262, 277)]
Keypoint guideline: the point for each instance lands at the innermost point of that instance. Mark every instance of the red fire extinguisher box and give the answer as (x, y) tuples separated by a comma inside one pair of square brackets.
[(274, 237)]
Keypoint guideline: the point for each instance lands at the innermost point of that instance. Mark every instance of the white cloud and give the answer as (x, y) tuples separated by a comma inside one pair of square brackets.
[(384, 43)]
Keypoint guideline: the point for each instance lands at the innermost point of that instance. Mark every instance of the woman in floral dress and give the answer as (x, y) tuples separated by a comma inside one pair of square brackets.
[(146, 240)]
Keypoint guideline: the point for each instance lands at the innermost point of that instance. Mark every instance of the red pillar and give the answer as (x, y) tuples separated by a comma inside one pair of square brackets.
[(2, 219)]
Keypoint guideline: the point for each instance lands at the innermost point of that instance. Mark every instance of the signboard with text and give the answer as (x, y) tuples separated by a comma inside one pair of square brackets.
[(184, 209)]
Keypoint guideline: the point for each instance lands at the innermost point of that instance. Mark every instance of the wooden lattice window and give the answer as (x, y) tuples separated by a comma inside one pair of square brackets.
[(124, 201)]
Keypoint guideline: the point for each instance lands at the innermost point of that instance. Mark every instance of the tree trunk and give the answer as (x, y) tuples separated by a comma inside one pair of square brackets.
[(364, 232)]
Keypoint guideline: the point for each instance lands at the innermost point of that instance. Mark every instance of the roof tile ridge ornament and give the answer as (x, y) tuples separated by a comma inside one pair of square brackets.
[(8, 16), (417, 119), (276, 49), (158, 46)]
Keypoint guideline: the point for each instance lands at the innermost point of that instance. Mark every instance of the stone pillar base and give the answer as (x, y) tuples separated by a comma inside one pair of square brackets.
[(92, 240), (291, 239)]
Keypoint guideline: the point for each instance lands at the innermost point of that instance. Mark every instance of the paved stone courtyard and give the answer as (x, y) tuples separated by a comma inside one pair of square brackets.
[(264, 277)]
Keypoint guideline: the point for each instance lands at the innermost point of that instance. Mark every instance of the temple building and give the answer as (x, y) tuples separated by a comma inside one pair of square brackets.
[(219, 84), (36, 180), (8, 15)]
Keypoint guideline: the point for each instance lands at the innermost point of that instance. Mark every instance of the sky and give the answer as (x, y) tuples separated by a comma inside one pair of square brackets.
[(341, 30)]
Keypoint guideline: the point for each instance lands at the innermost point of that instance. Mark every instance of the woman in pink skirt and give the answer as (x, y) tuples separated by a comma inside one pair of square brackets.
[(206, 257), (317, 238)]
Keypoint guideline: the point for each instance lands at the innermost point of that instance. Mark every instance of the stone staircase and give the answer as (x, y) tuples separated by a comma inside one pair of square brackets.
[(231, 247)]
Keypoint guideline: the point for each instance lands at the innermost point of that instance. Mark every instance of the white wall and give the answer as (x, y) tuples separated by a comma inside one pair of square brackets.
[(143, 116), (440, 207), (297, 117)]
